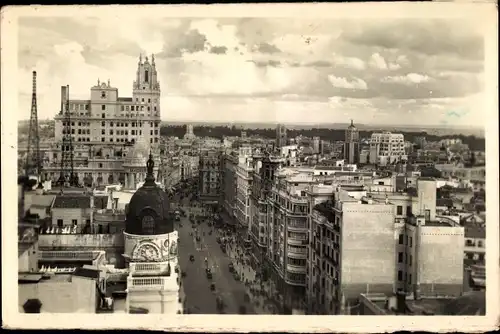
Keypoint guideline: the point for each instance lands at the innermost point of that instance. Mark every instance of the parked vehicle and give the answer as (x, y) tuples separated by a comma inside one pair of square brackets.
[(212, 286), (191, 258)]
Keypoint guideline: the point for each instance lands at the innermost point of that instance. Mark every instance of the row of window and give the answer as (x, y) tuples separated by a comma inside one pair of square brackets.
[(405, 240), (407, 259), (407, 277), (133, 124)]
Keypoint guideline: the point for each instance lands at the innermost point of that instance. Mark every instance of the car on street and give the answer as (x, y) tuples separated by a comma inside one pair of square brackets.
[(212, 286), (191, 258), (209, 273)]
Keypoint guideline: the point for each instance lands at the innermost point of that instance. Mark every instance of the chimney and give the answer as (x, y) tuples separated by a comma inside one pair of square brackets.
[(64, 97)]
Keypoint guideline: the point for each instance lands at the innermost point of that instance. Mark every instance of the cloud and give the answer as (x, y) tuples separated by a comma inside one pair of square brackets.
[(344, 83), (378, 62), (227, 67), (410, 78), (218, 50), (267, 48)]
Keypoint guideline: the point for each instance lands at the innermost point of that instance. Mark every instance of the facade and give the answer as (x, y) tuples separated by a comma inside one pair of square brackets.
[(150, 250), (230, 183), (71, 212), (351, 145), (386, 148), (281, 136), (210, 175), (244, 172), (397, 236), (105, 127)]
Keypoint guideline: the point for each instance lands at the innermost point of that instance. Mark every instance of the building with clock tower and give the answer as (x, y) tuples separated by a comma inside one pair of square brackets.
[(151, 251)]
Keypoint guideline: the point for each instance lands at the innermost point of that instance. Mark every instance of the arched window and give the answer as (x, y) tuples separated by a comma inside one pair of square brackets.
[(146, 76), (148, 224)]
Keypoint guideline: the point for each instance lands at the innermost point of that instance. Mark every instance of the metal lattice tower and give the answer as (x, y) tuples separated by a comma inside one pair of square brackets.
[(33, 163), (67, 176)]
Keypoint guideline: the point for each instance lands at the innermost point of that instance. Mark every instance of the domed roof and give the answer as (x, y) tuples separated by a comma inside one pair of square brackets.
[(148, 212)]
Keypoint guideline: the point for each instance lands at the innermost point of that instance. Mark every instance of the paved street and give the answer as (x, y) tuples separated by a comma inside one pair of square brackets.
[(196, 286)]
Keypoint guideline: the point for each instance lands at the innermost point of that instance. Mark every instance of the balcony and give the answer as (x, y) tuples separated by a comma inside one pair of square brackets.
[(151, 283), (297, 240), (149, 269), (297, 252), (296, 281), (68, 255)]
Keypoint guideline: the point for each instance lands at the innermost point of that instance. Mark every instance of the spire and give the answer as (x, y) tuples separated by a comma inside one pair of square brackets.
[(153, 59), (150, 179), (140, 58), (352, 123)]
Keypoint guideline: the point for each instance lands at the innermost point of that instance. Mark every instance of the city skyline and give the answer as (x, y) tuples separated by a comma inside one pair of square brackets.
[(427, 72)]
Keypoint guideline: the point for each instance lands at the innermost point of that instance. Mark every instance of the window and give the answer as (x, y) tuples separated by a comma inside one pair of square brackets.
[(409, 279), (132, 108), (401, 239), (103, 107), (411, 260), (103, 95), (111, 124), (142, 100), (149, 100), (399, 210), (146, 76), (411, 242), (103, 115), (400, 257), (149, 109), (74, 222), (408, 211), (103, 123), (400, 275), (154, 108), (103, 132), (148, 225)]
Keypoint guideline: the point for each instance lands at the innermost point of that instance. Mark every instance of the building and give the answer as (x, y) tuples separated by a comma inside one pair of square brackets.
[(151, 251), (317, 145), (210, 171), (475, 244), (403, 234), (71, 212), (230, 181), (244, 171), (104, 127), (351, 145), (189, 132), (281, 136), (386, 148)]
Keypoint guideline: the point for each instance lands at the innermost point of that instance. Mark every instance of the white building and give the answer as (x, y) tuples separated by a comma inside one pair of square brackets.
[(387, 148), (244, 176), (105, 126)]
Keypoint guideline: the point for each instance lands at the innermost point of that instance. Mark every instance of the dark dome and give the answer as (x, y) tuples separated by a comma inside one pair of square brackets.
[(148, 212)]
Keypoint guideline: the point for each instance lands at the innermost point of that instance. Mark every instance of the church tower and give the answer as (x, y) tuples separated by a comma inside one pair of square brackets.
[(146, 94), (151, 251)]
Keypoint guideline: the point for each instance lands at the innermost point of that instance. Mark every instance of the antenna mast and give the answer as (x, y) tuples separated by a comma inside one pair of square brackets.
[(33, 164), (67, 176)]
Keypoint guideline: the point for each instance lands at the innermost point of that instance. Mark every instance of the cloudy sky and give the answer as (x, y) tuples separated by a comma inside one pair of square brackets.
[(427, 72)]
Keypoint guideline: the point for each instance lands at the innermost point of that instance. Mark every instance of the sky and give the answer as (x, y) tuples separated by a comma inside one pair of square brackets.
[(382, 72)]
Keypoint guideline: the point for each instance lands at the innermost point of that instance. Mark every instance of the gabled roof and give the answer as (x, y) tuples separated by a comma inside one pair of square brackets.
[(71, 202)]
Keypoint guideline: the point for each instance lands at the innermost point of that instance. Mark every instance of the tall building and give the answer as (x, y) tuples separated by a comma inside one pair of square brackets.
[(381, 242), (351, 144), (244, 171), (151, 250), (210, 179), (105, 126), (281, 136), (316, 145), (230, 181), (387, 148)]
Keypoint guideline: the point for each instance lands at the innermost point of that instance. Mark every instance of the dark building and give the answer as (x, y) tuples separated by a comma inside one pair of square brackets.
[(148, 212), (351, 145)]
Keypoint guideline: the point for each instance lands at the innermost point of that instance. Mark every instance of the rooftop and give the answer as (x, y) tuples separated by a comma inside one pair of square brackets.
[(72, 202), (475, 232)]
